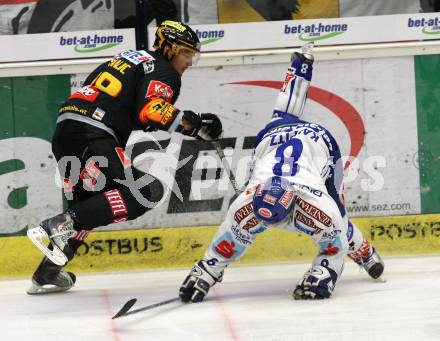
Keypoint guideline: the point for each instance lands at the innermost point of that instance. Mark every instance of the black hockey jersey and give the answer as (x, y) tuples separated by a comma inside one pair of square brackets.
[(134, 90)]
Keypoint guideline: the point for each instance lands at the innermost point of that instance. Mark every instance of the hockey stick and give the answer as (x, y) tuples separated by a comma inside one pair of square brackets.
[(231, 175), (125, 310)]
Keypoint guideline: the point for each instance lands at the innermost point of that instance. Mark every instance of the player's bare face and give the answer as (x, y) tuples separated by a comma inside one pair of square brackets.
[(182, 60)]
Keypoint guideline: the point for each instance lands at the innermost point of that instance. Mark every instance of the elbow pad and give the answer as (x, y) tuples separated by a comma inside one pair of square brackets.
[(159, 114)]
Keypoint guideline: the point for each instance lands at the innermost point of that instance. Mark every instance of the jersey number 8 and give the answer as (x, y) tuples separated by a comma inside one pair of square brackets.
[(291, 159)]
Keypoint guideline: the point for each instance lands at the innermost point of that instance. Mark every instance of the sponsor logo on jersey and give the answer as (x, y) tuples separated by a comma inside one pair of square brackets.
[(250, 224), (88, 93), (243, 212), (330, 250), (225, 249), (148, 67), (117, 205), (308, 222), (98, 114), (136, 57), (159, 89), (243, 238), (313, 211), (331, 235), (157, 110), (308, 189), (289, 75)]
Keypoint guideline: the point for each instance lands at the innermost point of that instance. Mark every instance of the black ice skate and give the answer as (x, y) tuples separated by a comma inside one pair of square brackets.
[(369, 259), (50, 278), (57, 230)]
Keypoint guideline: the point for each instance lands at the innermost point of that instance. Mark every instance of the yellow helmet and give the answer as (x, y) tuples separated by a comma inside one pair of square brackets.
[(176, 33)]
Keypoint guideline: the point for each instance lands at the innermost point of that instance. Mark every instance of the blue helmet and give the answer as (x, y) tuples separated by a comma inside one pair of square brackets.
[(273, 200)]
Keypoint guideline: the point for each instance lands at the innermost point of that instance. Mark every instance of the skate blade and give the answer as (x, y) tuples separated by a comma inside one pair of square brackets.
[(380, 279), (37, 289), (37, 235)]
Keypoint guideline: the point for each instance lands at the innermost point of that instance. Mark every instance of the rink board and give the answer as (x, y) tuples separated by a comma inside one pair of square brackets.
[(181, 247)]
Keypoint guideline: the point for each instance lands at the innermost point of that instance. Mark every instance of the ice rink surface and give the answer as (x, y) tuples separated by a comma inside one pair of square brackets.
[(252, 303)]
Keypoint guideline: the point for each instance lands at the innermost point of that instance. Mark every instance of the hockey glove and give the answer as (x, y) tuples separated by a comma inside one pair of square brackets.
[(299, 58), (197, 284), (194, 121), (317, 283), (211, 127)]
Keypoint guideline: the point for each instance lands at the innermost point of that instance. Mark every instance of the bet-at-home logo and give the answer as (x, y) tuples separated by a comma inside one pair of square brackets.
[(429, 26), (91, 43), (316, 32), (208, 37)]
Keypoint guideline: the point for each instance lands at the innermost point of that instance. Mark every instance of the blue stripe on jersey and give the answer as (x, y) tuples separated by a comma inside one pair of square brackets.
[(292, 86), (334, 180)]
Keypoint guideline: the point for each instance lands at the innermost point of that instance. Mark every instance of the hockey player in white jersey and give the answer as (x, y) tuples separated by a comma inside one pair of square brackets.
[(294, 184)]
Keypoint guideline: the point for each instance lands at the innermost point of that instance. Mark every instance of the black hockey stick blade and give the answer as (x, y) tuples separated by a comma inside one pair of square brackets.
[(125, 309)]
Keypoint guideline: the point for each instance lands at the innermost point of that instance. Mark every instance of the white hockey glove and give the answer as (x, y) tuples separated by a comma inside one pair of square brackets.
[(318, 282), (197, 284)]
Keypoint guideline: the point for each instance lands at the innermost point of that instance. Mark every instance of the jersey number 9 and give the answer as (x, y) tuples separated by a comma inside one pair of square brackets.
[(108, 84)]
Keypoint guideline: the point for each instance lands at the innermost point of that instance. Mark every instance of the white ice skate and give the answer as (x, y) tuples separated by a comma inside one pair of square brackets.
[(57, 231)]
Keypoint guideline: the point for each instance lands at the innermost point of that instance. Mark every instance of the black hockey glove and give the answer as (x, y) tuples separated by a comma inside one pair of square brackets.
[(196, 122), (318, 282), (197, 284), (211, 127)]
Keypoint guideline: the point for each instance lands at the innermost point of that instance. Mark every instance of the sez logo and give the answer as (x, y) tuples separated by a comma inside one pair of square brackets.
[(91, 43), (349, 116)]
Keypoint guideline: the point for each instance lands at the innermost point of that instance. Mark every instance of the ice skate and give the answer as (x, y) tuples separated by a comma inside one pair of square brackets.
[(369, 259), (57, 230), (50, 278)]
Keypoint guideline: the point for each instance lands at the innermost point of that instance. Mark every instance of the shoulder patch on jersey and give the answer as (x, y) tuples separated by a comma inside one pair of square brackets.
[(136, 57), (159, 89), (148, 67)]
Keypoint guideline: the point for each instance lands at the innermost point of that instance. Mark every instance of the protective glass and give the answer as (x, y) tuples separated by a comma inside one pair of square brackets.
[(190, 54)]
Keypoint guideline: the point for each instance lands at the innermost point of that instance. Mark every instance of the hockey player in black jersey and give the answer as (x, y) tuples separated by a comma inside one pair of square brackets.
[(134, 90)]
